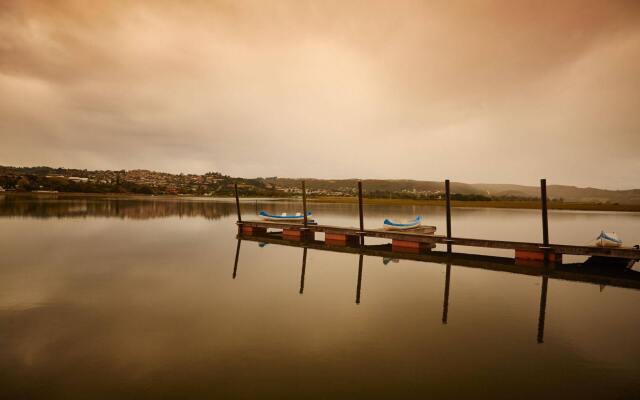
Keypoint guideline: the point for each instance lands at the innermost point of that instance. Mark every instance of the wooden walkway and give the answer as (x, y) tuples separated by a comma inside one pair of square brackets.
[(621, 252)]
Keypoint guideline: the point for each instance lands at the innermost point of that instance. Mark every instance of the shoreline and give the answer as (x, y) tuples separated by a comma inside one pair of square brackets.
[(526, 205)]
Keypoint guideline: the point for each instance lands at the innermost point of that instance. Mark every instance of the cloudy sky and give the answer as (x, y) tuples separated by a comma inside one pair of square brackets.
[(476, 91)]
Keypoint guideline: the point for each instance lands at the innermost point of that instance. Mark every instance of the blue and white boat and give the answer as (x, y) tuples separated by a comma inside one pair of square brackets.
[(390, 225), (283, 217), (608, 239)]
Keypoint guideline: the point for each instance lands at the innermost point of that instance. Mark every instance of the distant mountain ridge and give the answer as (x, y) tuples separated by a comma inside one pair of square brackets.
[(564, 192)]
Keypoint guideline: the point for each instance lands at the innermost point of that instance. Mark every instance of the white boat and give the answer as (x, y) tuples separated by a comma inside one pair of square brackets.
[(283, 217), (608, 239), (390, 225)]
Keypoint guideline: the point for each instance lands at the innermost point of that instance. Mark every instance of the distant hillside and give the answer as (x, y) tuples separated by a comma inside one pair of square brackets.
[(559, 192), (218, 184)]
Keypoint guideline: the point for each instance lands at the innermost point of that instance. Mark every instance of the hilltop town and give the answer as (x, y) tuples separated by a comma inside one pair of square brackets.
[(216, 184)]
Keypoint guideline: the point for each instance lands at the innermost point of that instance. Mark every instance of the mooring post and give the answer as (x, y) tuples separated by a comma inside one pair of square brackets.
[(359, 285), (304, 207), (445, 305), (235, 187), (545, 221), (543, 309), (361, 213), (304, 267), (447, 196)]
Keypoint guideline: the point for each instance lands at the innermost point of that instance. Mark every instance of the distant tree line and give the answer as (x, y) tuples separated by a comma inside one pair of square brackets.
[(30, 183)]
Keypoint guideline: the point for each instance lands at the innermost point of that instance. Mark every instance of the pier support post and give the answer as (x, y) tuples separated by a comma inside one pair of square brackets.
[(408, 246), (304, 204), (361, 212), (341, 239), (545, 221), (252, 230), (239, 222), (447, 194), (298, 234)]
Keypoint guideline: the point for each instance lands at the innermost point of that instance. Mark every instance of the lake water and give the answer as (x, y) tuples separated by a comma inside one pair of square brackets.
[(136, 299)]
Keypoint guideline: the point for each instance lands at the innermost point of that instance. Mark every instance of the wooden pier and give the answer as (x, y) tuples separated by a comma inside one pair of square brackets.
[(419, 242), (606, 266)]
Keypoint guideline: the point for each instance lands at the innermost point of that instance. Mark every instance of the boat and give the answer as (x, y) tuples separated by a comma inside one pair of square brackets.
[(390, 225), (283, 217), (608, 239)]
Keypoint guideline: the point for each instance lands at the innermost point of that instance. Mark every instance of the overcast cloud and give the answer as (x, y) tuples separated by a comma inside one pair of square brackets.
[(476, 91)]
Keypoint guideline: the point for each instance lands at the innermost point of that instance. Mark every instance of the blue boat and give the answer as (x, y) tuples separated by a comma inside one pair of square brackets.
[(608, 239), (393, 226), (283, 217)]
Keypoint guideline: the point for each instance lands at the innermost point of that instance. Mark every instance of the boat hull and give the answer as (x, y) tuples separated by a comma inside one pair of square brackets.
[(608, 239)]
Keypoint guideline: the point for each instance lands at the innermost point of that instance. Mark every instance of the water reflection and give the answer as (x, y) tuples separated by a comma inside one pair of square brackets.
[(235, 264), (126, 208), (543, 309), (359, 285), (304, 267), (119, 307), (626, 278), (445, 304)]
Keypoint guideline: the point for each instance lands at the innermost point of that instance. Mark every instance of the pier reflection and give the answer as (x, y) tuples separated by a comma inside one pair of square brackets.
[(543, 309), (445, 304), (235, 264), (620, 278), (359, 285), (304, 267)]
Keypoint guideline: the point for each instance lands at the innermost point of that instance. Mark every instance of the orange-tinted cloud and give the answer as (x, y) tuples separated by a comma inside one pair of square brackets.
[(496, 91)]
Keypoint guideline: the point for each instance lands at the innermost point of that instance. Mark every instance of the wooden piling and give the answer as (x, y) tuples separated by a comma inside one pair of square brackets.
[(361, 213), (545, 221), (235, 187), (447, 194), (304, 205)]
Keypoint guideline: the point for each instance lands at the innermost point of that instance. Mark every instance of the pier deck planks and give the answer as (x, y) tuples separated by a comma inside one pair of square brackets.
[(621, 252)]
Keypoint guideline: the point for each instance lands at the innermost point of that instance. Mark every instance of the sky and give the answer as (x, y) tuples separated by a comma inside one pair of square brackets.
[(474, 91)]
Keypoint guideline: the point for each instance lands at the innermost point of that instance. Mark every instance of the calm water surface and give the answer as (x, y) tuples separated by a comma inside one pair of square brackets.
[(136, 299)]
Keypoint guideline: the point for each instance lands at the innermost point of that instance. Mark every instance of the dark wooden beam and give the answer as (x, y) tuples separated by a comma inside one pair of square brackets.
[(447, 194), (545, 221), (235, 187), (304, 203), (361, 213)]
